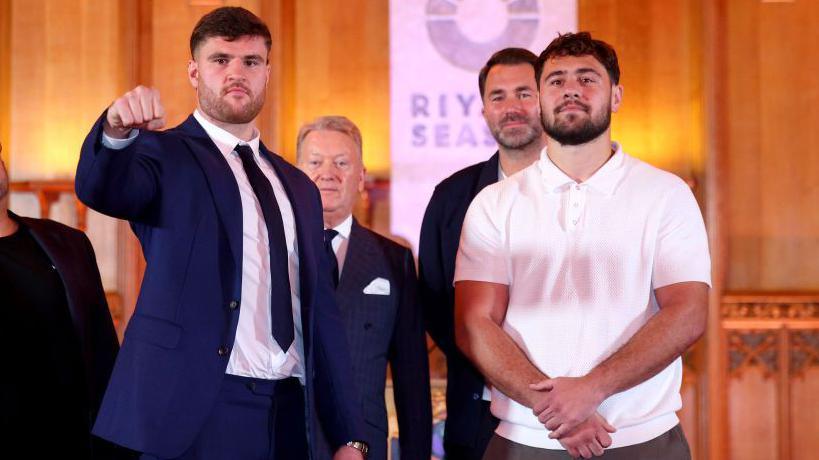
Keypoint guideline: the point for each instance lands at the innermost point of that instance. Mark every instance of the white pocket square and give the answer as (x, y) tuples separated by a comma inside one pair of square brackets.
[(378, 286)]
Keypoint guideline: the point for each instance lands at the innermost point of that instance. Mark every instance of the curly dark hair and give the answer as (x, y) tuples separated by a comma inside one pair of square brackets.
[(230, 23), (580, 44)]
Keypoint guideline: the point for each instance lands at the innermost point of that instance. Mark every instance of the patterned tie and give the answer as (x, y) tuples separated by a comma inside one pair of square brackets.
[(329, 234), (281, 307)]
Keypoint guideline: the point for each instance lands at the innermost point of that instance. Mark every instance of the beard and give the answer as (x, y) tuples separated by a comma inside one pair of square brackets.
[(516, 138), (567, 134), (217, 108)]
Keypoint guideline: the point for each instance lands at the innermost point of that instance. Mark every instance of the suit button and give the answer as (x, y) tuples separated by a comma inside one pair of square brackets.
[(234, 304), (476, 396), (222, 351)]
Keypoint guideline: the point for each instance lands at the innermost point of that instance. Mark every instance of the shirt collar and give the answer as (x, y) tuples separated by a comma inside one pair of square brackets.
[(345, 227), (224, 140), (604, 180)]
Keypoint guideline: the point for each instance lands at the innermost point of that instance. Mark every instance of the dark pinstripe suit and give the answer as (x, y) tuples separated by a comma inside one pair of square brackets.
[(386, 328)]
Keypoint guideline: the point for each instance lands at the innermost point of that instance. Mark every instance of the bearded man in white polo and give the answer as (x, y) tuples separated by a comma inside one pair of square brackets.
[(581, 280)]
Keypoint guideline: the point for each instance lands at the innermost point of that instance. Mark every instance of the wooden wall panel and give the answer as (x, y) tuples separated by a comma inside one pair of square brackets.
[(65, 62), (804, 415), (342, 68), (772, 75), (659, 49), (752, 410)]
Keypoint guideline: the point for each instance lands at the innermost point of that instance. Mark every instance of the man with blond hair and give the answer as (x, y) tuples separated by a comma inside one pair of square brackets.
[(376, 291)]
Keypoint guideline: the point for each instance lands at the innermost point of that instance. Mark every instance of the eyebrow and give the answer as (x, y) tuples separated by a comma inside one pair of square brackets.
[(230, 56), (516, 90), (579, 71)]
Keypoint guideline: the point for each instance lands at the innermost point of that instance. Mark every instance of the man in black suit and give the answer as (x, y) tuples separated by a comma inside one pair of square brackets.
[(55, 325), (376, 291), (512, 113)]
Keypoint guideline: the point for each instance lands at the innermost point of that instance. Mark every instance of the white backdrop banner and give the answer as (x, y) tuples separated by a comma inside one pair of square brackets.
[(437, 48)]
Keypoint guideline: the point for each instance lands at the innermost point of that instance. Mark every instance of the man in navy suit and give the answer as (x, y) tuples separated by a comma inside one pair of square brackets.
[(55, 319), (235, 349), (510, 107), (376, 291)]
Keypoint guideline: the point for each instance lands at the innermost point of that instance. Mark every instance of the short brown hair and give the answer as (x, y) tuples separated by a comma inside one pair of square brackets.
[(336, 123), (506, 56), (580, 44), (230, 23)]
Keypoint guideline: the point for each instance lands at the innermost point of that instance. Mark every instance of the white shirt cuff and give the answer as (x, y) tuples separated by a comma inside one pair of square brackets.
[(119, 144)]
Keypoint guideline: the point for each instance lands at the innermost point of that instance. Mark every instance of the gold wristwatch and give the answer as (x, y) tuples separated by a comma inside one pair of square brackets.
[(359, 446)]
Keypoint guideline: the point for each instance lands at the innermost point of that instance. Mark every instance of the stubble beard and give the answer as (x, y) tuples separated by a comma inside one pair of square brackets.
[(516, 140), (217, 108)]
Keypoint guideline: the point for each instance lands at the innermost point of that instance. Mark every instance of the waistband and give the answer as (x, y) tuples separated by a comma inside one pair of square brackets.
[(263, 387)]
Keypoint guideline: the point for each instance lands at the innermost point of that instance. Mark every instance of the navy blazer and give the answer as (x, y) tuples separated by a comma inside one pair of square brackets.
[(386, 328), (440, 236), (178, 192), (73, 257)]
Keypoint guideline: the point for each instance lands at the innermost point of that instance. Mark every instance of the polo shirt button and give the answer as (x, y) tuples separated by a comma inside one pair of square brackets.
[(576, 205), (577, 187), (574, 221), (234, 304), (222, 351)]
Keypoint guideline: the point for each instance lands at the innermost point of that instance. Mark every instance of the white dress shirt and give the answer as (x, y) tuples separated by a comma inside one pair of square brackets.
[(255, 353), (341, 241)]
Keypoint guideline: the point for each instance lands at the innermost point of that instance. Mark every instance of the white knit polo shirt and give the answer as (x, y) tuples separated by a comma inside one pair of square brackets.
[(582, 262)]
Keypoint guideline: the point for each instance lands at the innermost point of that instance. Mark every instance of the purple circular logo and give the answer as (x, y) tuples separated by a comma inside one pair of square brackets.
[(453, 45)]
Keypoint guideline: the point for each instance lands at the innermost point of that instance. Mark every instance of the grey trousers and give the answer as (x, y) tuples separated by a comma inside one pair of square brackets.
[(670, 445)]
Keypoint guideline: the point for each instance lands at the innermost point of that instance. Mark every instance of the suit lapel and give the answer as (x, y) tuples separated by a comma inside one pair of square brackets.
[(489, 174), (358, 268), (223, 186)]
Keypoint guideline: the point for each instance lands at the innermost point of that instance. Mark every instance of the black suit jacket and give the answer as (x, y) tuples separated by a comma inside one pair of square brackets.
[(440, 235), (386, 328), (73, 256)]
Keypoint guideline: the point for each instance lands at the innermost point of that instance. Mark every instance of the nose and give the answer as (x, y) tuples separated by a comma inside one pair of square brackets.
[(236, 70), (571, 90), (325, 171), (513, 105)]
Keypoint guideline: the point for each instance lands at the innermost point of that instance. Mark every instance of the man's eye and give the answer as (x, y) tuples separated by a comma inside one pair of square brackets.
[(556, 82), (251, 63)]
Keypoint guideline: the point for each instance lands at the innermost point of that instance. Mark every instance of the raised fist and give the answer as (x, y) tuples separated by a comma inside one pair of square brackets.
[(139, 108)]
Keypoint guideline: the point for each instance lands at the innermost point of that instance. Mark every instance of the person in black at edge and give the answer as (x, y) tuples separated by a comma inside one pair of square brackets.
[(58, 335)]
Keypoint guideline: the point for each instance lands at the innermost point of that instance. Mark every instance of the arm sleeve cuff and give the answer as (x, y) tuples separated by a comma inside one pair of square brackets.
[(119, 144)]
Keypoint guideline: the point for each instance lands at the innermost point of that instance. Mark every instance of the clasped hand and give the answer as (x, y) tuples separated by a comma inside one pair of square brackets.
[(568, 409)]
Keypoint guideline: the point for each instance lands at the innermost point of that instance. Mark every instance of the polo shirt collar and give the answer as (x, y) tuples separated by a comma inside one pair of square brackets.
[(604, 180)]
